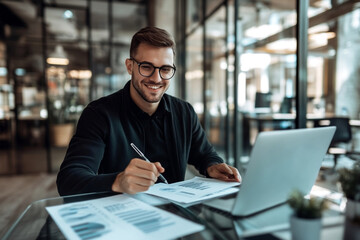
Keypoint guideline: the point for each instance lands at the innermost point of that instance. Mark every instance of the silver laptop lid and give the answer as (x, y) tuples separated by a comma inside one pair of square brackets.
[(280, 162)]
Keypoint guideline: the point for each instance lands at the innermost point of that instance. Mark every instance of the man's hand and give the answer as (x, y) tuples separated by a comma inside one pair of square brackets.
[(138, 176), (224, 172)]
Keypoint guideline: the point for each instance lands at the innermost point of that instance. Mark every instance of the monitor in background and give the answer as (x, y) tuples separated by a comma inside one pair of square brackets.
[(262, 100)]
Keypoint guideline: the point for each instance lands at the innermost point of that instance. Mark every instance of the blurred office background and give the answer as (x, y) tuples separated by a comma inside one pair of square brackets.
[(246, 66)]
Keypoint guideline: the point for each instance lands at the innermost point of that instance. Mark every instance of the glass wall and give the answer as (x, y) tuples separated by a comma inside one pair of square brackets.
[(194, 72), (266, 68), (247, 69), (110, 42), (7, 117), (215, 78), (262, 68), (111, 37), (60, 55), (206, 60), (237, 65), (194, 14), (333, 64), (25, 65)]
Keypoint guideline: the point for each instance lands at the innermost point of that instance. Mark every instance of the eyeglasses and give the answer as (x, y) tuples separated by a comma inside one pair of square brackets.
[(146, 69)]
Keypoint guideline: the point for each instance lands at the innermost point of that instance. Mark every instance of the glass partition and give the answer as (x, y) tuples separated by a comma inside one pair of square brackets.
[(26, 75), (7, 116), (52, 75), (100, 30), (264, 67), (194, 14), (211, 5), (215, 79), (67, 74), (127, 18), (111, 46), (194, 72), (347, 84), (267, 68), (333, 65)]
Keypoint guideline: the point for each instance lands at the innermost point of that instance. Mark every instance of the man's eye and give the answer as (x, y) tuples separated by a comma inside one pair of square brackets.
[(166, 69), (146, 67)]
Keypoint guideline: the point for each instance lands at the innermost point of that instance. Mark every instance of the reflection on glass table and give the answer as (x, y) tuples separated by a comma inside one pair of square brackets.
[(35, 222), (272, 223)]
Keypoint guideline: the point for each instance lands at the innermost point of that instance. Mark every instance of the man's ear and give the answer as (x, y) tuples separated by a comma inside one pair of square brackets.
[(129, 65)]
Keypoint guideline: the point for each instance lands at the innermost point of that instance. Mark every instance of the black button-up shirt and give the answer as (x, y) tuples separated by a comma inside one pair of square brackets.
[(100, 148), (155, 146)]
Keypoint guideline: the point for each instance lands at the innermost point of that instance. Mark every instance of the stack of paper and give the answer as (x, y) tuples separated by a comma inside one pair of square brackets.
[(119, 217), (193, 190)]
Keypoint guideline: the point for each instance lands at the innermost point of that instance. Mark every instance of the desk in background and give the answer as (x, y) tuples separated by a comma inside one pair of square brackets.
[(276, 121)]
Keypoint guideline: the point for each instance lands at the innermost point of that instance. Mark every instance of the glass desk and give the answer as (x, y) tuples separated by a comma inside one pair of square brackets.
[(35, 222)]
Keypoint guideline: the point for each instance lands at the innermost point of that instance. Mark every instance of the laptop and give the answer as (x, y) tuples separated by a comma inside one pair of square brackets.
[(280, 162)]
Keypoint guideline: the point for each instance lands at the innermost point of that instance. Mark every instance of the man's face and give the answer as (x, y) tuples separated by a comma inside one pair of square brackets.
[(149, 89)]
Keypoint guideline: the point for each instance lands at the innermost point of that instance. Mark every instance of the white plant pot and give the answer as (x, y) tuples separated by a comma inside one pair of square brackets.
[(305, 229), (352, 229)]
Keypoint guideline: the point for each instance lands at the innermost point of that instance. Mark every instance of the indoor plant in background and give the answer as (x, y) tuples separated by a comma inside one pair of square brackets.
[(61, 127), (61, 99), (349, 179), (305, 223)]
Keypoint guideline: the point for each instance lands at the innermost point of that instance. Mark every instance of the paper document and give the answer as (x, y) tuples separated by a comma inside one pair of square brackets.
[(193, 190), (119, 217)]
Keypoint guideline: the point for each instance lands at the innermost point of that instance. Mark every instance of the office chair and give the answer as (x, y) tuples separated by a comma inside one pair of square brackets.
[(342, 136), (286, 105)]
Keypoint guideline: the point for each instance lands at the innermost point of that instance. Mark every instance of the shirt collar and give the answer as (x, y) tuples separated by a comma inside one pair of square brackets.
[(162, 109)]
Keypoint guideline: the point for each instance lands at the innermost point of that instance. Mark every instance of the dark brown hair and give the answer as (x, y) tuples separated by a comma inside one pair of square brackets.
[(152, 36)]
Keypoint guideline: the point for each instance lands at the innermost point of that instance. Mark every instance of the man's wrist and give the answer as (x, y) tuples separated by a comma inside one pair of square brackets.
[(210, 165), (116, 184)]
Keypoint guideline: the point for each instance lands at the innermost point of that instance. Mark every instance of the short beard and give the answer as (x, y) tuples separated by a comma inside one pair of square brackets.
[(142, 95)]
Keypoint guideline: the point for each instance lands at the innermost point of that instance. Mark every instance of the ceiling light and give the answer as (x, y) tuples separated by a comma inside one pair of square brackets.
[(58, 57), (263, 31), (80, 74), (68, 14), (20, 71), (286, 44), (254, 60), (3, 71), (322, 4), (58, 61), (317, 40), (321, 36), (195, 74), (223, 65)]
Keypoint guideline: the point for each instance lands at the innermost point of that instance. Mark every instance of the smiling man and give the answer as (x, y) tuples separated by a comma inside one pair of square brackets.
[(166, 129)]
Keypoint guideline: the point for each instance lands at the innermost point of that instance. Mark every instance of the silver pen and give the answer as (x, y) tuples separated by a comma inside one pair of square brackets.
[(143, 156)]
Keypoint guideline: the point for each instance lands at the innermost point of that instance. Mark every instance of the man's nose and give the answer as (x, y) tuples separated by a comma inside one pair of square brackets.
[(156, 75)]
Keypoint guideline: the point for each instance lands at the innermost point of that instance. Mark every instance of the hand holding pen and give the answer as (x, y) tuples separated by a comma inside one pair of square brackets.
[(138, 176), (143, 156)]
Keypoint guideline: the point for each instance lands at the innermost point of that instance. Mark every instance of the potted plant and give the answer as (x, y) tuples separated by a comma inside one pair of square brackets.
[(349, 179), (61, 126), (61, 99), (305, 223)]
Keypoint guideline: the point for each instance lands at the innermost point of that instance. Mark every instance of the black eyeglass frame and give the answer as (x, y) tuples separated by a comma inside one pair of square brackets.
[(140, 63)]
